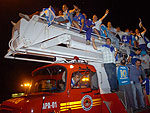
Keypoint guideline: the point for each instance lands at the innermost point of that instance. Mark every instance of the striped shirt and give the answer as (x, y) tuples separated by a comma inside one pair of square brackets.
[(108, 56)]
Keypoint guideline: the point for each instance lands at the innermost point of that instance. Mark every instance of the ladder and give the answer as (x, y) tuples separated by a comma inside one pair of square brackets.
[(34, 41)]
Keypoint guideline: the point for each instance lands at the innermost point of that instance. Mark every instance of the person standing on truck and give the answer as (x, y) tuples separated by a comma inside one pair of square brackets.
[(136, 80), (109, 55), (124, 82)]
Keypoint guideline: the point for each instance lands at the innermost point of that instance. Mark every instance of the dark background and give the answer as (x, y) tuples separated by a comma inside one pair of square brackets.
[(123, 13)]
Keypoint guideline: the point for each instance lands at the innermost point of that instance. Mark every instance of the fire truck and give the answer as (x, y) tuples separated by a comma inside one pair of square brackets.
[(52, 92), (52, 89)]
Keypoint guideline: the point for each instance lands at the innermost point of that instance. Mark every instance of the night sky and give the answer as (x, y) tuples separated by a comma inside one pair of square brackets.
[(123, 13)]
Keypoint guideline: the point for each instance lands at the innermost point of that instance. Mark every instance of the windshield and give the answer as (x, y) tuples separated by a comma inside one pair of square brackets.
[(52, 79)]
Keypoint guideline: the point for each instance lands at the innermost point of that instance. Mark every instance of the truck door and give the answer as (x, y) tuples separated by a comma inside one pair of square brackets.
[(84, 95)]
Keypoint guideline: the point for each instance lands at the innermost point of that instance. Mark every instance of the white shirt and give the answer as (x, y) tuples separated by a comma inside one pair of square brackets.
[(140, 39), (108, 56), (97, 25)]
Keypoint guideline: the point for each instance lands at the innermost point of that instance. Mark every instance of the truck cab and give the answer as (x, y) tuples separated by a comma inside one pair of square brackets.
[(52, 91), (63, 88)]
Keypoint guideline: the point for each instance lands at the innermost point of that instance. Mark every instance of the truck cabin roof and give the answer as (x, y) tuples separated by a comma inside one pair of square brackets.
[(68, 67)]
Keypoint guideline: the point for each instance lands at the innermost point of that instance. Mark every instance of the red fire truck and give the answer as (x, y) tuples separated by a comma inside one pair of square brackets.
[(52, 92), (61, 87)]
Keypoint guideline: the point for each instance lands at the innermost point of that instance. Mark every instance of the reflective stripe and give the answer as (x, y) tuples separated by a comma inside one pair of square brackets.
[(77, 104)]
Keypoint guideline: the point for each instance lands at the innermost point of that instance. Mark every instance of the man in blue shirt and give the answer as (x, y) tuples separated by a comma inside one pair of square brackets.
[(124, 83), (88, 22), (135, 78), (123, 78), (126, 39), (67, 15), (78, 20), (134, 56), (88, 27)]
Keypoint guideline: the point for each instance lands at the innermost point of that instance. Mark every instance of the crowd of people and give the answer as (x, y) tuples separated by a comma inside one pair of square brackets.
[(129, 76), (133, 71), (79, 20)]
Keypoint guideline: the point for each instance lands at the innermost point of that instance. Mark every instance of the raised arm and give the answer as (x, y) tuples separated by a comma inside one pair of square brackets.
[(106, 13), (73, 10), (144, 29), (141, 25), (93, 43)]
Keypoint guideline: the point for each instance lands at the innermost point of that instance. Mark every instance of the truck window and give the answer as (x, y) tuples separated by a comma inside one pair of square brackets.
[(52, 79), (80, 80), (84, 80), (94, 81)]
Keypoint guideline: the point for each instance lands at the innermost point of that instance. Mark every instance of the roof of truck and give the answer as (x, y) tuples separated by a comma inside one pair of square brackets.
[(68, 66)]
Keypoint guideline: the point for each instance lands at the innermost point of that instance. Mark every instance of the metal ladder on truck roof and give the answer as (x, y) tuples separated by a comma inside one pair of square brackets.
[(34, 41), (35, 38)]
